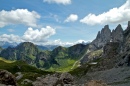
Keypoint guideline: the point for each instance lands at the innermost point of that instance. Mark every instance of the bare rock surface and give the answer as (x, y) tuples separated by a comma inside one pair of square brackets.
[(102, 37), (96, 83), (20, 75), (117, 34), (7, 78), (113, 77), (54, 80)]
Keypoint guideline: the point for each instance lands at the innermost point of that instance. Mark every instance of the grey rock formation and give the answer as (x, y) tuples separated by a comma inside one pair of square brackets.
[(106, 36), (96, 83), (64, 79), (20, 75), (102, 37), (7, 78), (26, 81), (117, 34)]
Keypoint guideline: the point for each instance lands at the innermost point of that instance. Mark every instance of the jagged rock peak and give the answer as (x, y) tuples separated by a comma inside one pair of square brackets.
[(127, 31), (106, 32), (106, 27), (128, 23), (99, 34), (102, 37), (119, 27), (117, 34)]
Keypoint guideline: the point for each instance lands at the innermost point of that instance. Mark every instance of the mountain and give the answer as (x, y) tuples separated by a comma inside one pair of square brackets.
[(1, 49), (107, 44), (106, 35), (112, 65), (115, 52), (4, 44), (47, 47), (24, 51), (106, 58), (57, 59)]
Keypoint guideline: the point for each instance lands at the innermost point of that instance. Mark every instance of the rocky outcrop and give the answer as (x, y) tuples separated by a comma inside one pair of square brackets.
[(96, 83), (102, 37), (117, 34), (7, 78), (125, 55), (54, 80), (26, 81), (106, 36), (19, 76)]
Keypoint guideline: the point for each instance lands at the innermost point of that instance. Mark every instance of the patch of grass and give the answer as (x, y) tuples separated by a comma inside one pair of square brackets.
[(28, 75), (80, 70), (28, 71), (7, 61), (96, 53), (65, 65), (20, 66)]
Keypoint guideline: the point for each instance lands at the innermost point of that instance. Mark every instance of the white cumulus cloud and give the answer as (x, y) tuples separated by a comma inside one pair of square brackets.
[(72, 18), (66, 44), (30, 35), (38, 35), (19, 16), (114, 15), (11, 30), (10, 38), (65, 2)]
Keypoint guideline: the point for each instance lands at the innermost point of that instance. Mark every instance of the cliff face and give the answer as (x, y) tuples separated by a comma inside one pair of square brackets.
[(111, 43), (117, 34), (116, 53), (105, 35)]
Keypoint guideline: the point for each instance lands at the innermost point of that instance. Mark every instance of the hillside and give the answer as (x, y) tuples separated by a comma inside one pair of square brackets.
[(59, 59), (27, 71), (66, 59)]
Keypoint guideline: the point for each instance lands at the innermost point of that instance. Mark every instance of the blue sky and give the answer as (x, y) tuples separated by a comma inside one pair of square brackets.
[(63, 22)]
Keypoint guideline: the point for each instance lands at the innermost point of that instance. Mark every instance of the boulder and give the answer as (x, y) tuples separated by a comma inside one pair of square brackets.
[(96, 83), (54, 80), (26, 81), (7, 78), (66, 78), (19, 76)]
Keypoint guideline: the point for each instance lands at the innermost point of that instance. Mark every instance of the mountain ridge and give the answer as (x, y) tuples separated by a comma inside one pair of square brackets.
[(55, 58)]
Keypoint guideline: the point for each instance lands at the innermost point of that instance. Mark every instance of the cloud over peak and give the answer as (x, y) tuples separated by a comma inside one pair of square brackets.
[(64, 2), (19, 16), (72, 18), (114, 15)]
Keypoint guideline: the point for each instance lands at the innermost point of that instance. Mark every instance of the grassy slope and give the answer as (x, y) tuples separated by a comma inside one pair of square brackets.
[(65, 65), (29, 72), (19, 66), (7, 61)]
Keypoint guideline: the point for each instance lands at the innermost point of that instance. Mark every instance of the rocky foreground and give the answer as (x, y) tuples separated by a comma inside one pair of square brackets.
[(57, 79), (112, 77)]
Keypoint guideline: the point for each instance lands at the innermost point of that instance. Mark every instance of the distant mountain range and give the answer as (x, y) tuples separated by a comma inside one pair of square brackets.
[(4, 44), (57, 58), (106, 58), (47, 47)]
